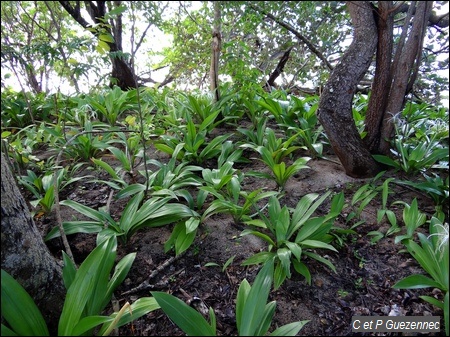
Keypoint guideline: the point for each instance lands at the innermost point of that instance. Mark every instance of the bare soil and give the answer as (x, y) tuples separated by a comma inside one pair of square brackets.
[(362, 284)]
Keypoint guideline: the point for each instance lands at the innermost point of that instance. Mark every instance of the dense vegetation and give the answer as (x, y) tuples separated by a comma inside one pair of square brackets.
[(49, 138)]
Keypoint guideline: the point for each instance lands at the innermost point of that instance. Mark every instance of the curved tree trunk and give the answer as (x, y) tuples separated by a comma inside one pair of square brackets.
[(335, 107), (25, 255)]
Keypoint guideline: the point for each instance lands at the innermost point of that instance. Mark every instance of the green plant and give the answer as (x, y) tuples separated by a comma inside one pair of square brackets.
[(414, 154), (111, 105), (434, 186), (359, 108), (201, 108), (225, 185), (19, 146), (240, 210), (220, 181), (433, 256), (89, 289), (253, 314), (42, 187), (193, 141), (154, 212), (171, 179), (342, 293), (385, 212), (86, 145), (256, 135), (290, 238), (412, 218), (227, 263), (364, 195), (133, 151), (280, 173), (297, 117), (276, 146), (183, 235)]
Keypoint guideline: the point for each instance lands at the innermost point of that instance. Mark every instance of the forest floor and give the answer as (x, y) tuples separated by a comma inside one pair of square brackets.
[(361, 286)]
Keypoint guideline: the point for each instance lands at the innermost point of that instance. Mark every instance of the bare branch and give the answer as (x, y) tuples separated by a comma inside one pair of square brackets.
[(287, 26)]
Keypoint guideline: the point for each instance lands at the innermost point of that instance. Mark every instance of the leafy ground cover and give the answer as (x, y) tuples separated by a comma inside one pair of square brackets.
[(204, 275), (228, 193)]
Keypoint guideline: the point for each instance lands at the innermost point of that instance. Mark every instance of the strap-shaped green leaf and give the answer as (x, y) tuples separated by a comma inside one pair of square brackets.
[(19, 309), (187, 318)]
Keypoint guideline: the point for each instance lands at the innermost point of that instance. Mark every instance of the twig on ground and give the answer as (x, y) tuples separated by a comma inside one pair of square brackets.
[(146, 284)]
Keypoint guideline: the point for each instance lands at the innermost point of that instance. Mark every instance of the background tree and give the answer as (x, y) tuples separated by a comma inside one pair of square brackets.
[(38, 45), (395, 75), (108, 29), (24, 253), (216, 46)]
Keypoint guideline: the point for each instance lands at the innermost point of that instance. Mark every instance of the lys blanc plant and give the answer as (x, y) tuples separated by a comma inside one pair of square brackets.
[(42, 187), (89, 290), (154, 212), (279, 148), (280, 172), (225, 185), (293, 237), (253, 314), (415, 152), (254, 136), (170, 179), (432, 253), (412, 218)]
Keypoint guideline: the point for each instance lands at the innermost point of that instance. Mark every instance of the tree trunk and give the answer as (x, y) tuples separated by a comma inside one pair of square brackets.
[(25, 255), (122, 74), (279, 68), (381, 84), (335, 107), (215, 54), (403, 72)]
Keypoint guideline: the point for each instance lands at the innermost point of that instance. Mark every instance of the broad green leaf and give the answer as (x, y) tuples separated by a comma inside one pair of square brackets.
[(73, 227), (263, 236), (241, 299), (266, 320), (90, 281), (188, 319), (290, 329), (317, 244), (106, 38), (19, 309), (130, 190), (416, 282), (89, 323), (284, 255), (69, 270), (261, 257), (257, 298)]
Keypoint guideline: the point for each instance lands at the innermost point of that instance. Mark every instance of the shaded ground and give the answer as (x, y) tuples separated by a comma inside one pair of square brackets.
[(362, 284)]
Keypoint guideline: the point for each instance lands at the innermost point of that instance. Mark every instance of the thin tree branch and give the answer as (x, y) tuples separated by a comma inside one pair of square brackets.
[(287, 26)]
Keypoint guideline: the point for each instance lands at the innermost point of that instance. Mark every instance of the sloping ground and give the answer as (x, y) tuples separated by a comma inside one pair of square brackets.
[(362, 284)]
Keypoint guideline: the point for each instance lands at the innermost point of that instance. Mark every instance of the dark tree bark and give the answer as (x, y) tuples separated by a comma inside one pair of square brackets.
[(25, 255), (404, 72), (335, 107), (215, 54), (279, 68), (122, 73), (380, 87), (395, 75)]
